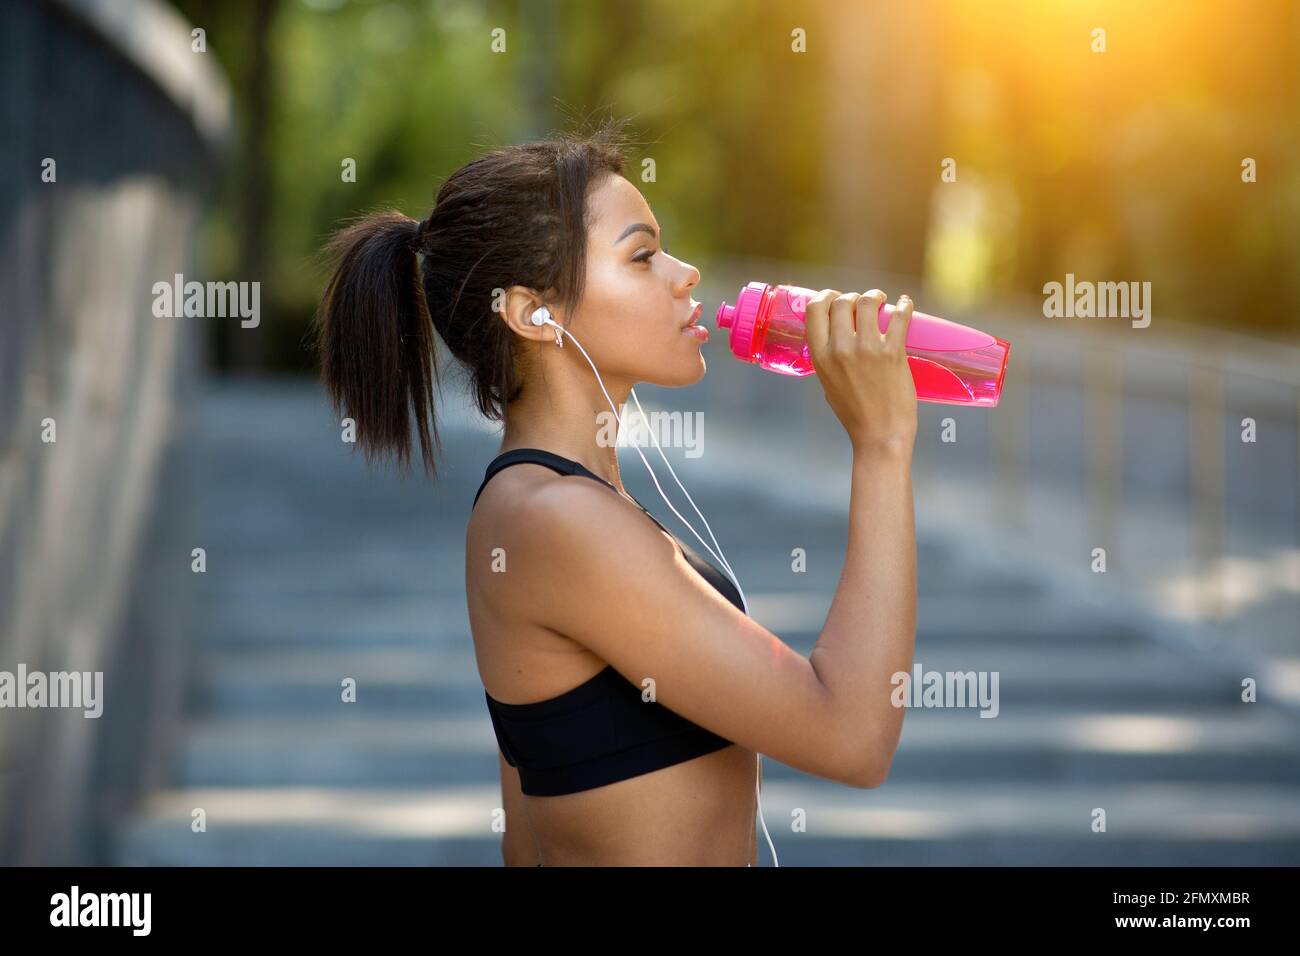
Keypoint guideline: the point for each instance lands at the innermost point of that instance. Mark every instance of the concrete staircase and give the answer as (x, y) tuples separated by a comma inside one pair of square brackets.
[(319, 571)]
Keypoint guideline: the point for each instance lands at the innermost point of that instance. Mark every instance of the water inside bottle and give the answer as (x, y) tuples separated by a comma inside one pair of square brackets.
[(959, 377)]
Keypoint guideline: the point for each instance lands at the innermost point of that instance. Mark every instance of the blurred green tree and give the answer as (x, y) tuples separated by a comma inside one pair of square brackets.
[(812, 132)]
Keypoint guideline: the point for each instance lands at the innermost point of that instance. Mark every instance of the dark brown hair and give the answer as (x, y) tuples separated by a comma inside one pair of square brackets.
[(516, 216)]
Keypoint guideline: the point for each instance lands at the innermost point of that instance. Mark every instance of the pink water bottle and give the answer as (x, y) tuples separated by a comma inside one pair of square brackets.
[(951, 364)]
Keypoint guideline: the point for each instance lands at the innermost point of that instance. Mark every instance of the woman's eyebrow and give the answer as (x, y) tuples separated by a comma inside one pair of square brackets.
[(636, 227)]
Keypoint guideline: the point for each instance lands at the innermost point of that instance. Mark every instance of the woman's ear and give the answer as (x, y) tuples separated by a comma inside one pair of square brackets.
[(517, 305)]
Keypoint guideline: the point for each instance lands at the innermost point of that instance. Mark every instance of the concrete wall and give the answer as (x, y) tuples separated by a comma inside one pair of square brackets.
[(92, 568)]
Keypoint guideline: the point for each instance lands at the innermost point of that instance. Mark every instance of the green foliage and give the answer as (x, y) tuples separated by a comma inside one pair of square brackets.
[(1121, 165)]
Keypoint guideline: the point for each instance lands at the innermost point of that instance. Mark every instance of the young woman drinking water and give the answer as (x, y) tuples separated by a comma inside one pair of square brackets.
[(630, 692)]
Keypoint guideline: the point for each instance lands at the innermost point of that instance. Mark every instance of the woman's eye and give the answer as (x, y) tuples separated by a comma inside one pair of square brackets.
[(648, 256)]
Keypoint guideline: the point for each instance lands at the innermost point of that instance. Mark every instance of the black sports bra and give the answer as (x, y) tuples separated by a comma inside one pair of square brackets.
[(600, 731)]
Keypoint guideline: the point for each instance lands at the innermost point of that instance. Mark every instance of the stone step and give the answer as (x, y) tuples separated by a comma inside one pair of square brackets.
[(410, 621), (1020, 824)]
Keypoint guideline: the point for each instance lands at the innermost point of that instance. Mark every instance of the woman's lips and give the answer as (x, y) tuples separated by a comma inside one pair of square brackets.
[(696, 331)]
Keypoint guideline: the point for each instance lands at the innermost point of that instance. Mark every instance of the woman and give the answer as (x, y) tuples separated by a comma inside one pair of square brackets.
[(629, 691)]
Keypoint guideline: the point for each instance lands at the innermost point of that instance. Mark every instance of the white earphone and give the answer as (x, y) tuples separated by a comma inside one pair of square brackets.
[(542, 316)]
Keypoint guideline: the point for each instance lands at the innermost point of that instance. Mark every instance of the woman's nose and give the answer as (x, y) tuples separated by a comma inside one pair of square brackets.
[(690, 276)]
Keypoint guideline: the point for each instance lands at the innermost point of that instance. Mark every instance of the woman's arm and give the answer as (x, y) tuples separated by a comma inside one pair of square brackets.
[(590, 566), (870, 632)]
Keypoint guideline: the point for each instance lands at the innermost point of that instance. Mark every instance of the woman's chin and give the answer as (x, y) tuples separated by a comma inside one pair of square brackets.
[(688, 373)]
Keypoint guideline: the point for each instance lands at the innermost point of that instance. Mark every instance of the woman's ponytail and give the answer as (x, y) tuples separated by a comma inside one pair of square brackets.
[(516, 216), (374, 338)]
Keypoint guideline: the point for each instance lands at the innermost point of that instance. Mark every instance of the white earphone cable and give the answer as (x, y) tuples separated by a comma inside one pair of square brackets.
[(546, 319), (721, 557), (653, 477)]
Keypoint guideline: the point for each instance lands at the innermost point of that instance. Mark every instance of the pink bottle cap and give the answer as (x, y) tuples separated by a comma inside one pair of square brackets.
[(740, 319)]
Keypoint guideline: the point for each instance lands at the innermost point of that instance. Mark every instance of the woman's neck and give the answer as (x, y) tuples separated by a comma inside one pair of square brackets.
[(571, 422)]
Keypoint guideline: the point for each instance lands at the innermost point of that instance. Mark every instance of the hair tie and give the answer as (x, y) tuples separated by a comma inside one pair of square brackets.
[(421, 234)]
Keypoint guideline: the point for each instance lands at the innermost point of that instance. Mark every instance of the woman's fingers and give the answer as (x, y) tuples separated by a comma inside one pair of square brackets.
[(896, 334), (817, 320), (843, 331), (868, 311)]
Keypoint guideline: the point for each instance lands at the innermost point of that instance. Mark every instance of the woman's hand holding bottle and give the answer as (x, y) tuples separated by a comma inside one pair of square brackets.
[(865, 374)]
